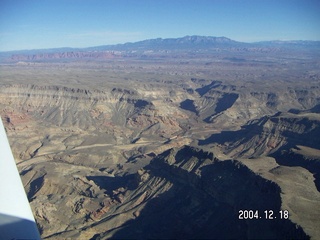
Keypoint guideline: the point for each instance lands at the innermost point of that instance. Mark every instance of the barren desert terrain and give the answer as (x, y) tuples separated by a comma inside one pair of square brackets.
[(168, 139)]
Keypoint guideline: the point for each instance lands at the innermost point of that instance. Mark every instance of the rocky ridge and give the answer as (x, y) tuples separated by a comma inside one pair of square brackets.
[(192, 185)]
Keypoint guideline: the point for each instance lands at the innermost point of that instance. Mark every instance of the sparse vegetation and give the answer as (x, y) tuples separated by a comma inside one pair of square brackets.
[(103, 143)]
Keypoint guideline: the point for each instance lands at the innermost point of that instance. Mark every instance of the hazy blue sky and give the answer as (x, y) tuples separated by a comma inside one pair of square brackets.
[(30, 24)]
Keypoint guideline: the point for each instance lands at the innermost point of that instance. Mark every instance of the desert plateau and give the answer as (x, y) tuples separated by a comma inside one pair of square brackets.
[(182, 138)]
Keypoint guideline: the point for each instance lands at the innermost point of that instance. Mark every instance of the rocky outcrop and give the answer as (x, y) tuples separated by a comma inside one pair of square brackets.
[(204, 195), (82, 108), (269, 134), (183, 193)]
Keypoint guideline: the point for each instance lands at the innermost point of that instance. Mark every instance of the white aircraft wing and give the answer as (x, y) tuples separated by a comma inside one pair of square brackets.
[(16, 218)]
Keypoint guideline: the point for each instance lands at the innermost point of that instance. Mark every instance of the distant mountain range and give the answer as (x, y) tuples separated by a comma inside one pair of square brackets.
[(174, 43), (187, 43)]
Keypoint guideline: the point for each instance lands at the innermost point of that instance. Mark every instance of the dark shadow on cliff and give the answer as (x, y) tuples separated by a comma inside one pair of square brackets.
[(207, 207), (203, 90), (241, 136), (113, 183), (226, 101), (188, 104), (35, 186)]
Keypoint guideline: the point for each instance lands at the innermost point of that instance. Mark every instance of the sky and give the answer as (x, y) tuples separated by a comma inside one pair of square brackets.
[(38, 24)]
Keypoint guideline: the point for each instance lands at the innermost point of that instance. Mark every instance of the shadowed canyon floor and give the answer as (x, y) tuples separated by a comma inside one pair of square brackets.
[(167, 146)]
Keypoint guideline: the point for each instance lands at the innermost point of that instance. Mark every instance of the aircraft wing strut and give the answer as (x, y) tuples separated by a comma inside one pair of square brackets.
[(16, 218)]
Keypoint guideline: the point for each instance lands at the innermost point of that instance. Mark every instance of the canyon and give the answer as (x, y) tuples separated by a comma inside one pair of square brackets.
[(167, 138)]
